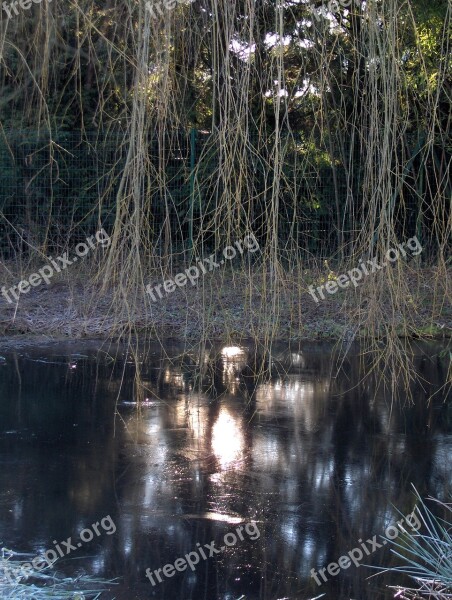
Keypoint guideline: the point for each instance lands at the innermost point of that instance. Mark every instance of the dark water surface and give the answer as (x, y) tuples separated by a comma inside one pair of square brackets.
[(306, 462)]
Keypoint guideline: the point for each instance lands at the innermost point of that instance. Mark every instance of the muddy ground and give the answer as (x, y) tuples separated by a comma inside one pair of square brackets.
[(231, 306)]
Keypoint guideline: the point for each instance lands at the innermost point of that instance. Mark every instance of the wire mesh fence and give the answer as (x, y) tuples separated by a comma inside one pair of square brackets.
[(57, 190)]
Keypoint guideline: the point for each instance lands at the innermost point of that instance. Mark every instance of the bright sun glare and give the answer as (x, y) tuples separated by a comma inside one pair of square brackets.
[(227, 440)]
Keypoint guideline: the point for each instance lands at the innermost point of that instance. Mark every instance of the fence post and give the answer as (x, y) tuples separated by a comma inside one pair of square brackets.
[(192, 190)]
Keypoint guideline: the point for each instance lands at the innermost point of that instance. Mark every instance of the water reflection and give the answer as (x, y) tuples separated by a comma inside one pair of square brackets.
[(227, 440), (226, 436)]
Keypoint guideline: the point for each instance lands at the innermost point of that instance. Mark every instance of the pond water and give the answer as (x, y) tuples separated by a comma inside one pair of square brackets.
[(297, 463)]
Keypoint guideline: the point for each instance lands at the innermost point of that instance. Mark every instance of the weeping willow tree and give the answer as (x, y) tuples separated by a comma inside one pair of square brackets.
[(350, 95)]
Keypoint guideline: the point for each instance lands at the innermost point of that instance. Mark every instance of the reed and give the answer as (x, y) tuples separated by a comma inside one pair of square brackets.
[(426, 556), (42, 584)]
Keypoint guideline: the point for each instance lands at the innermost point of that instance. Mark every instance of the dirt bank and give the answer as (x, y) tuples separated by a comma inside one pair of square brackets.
[(233, 305)]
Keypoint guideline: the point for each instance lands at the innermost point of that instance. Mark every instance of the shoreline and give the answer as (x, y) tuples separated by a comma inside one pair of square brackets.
[(229, 307)]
